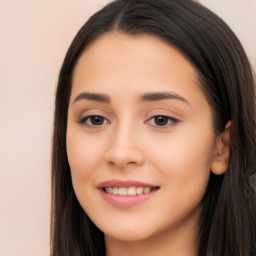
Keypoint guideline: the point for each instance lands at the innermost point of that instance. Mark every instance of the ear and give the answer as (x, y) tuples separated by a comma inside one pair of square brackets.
[(221, 151)]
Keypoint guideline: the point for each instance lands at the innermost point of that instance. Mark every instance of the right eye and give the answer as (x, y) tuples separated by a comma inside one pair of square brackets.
[(94, 120)]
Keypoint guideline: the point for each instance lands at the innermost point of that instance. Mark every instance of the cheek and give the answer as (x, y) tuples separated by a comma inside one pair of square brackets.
[(84, 156), (184, 159), (184, 164)]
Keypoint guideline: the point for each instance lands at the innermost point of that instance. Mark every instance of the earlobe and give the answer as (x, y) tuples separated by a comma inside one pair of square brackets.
[(221, 151)]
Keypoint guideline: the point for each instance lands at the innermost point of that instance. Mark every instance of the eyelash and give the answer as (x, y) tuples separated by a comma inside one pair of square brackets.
[(89, 118), (170, 121)]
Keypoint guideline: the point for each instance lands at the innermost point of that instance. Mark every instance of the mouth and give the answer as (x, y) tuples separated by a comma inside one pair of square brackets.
[(129, 191), (126, 193)]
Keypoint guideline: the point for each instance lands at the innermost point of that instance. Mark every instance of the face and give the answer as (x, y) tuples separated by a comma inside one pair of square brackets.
[(140, 137)]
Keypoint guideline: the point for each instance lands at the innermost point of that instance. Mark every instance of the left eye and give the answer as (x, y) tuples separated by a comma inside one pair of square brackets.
[(162, 121), (94, 120)]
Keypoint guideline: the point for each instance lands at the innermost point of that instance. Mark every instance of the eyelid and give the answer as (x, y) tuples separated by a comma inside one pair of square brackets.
[(91, 113), (86, 118), (171, 121), (162, 113)]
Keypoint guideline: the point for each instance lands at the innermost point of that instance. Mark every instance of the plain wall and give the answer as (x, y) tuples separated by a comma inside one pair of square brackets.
[(34, 36)]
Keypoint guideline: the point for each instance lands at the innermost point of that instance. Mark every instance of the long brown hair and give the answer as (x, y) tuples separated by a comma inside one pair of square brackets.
[(227, 226)]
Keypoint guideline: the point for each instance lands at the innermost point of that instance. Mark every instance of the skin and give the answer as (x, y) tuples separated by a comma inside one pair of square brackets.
[(130, 145)]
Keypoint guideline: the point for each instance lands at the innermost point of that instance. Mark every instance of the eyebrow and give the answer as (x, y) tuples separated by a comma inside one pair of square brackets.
[(163, 96), (147, 97), (92, 96)]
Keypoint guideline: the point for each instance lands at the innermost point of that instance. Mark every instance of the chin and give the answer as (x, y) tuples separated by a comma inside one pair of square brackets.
[(126, 230), (128, 235)]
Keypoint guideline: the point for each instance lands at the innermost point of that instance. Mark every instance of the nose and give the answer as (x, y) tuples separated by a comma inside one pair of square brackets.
[(124, 149)]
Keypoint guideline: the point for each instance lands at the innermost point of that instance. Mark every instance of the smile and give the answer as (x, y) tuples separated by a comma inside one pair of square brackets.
[(130, 191), (127, 193)]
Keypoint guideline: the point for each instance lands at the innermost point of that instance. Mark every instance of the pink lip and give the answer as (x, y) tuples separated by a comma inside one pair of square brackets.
[(125, 201), (123, 184)]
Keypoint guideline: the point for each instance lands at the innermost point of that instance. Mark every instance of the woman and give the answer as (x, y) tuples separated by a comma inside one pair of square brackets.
[(153, 135)]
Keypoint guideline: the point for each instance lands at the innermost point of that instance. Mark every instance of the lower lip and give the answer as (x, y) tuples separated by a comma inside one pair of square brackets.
[(126, 201)]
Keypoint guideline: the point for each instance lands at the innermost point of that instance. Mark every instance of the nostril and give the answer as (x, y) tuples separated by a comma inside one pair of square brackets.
[(124, 157), (121, 163)]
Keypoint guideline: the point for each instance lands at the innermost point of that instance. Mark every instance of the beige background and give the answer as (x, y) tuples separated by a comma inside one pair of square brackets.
[(34, 36)]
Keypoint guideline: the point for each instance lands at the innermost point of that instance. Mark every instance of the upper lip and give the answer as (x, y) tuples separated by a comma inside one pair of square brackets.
[(123, 184)]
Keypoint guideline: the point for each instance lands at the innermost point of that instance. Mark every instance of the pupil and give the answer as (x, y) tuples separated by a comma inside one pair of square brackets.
[(161, 120), (97, 120)]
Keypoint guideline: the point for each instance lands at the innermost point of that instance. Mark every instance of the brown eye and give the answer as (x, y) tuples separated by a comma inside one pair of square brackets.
[(94, 120), (161, 120)]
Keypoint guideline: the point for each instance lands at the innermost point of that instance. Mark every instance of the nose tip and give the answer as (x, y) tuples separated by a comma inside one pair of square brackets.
[(124, 153), (122, 159)]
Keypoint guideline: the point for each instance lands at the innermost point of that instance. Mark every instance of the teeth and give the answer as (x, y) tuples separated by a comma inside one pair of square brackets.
[(115, 191), (122, 191), (139, 191), (131, 191), (145, 190)]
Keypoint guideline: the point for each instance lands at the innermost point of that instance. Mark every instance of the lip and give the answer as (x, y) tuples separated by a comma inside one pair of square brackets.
[(124, 184), (125, 201)]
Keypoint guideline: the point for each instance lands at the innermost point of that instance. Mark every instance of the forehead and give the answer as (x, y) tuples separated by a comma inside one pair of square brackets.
[(118, 61), (139, 48)]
